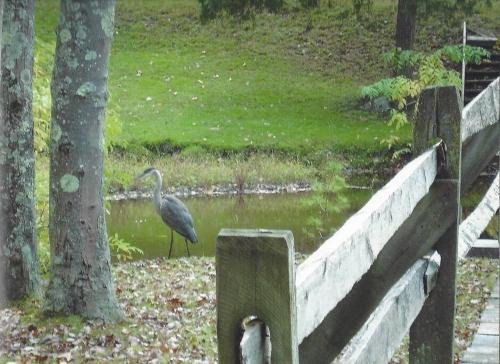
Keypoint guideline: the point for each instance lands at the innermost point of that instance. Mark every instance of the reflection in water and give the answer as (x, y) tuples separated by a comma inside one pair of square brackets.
[(137, 222)]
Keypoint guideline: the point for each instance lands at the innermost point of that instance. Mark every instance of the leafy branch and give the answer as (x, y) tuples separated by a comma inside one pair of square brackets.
[(399, 91)]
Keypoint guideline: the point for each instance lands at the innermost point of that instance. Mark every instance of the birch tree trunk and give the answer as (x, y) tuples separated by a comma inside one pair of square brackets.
[(18, 254), (81, 280)]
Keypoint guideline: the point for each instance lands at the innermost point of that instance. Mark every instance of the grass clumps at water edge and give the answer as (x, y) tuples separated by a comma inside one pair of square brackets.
[(209, 170)]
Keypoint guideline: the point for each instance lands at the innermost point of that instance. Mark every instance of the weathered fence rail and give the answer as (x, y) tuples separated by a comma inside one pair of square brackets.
[(354, 298), (349, 253), (476, 222)]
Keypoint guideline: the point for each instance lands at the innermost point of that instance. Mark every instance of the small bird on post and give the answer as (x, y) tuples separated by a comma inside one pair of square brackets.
[(172, 211)]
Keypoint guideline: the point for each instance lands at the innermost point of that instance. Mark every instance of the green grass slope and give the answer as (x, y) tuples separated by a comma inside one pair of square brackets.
[(225, 85), (285, 81)]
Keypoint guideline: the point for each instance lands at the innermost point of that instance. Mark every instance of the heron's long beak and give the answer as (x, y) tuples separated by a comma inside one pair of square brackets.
[(140, 176), (147, 172)]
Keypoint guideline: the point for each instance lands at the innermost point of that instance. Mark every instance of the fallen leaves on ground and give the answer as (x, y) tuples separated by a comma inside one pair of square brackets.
[(170, 309), (170, 317), (475, 279)]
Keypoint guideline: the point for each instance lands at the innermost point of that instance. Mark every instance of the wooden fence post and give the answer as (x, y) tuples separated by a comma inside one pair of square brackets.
[(432, 333), (256, 277)]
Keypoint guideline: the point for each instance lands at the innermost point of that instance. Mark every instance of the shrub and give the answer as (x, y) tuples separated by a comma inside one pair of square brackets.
[(327, 198), (123, 250), (42, 70), (431, 72)]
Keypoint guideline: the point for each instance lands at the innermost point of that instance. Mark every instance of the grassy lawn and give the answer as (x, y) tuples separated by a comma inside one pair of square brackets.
[(175, 82), (287, 81)]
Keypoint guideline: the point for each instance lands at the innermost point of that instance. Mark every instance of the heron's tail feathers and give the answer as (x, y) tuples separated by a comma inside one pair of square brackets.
[(193, 238)]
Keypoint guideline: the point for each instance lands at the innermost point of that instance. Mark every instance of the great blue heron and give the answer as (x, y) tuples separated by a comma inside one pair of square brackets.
[(172, 211)]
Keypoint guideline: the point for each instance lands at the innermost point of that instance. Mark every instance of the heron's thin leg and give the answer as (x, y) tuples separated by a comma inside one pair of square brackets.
[(171, 242), (187, 247)]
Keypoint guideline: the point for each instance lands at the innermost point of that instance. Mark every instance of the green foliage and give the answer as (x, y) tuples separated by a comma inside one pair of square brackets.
[(398, 59), (455, 53), (327, 197), (431, 72), (394, 89), (113, 130), (123, 250), (42, 229), (41, 95), (241, 8)]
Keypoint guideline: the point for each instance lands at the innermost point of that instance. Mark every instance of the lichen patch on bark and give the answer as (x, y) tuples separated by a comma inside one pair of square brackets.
[(90, 56), (86, 89), (65, 35), (69, 183)]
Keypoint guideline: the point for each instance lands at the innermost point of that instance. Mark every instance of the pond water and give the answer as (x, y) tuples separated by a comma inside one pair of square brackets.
[(136, 221)]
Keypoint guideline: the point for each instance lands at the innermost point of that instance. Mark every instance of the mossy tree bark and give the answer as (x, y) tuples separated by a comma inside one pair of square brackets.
[(81, 280), (18, 254)]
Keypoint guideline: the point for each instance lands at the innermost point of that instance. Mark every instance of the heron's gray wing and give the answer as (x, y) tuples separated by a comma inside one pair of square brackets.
[(176, 215)]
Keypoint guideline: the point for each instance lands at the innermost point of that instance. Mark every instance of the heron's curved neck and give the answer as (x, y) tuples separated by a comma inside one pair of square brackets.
[(157, 190)]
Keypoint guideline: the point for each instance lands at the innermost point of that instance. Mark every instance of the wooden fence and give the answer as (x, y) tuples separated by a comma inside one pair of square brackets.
[(389, 269)]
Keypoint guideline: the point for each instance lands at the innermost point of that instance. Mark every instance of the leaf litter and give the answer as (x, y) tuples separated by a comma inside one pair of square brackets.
[(170, 309)]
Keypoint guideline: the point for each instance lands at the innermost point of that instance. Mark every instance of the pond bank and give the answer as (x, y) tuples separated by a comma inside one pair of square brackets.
[(222, 190), (213, 191)]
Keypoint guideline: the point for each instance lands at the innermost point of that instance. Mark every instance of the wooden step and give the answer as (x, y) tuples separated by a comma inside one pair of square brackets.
[(486, 63), (481, 41), (485, 73), (472, 92), (485, 345), (484, 248), (473, 82)]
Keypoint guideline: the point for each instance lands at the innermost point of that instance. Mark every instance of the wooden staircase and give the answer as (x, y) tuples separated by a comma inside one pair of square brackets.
[(477, 77)]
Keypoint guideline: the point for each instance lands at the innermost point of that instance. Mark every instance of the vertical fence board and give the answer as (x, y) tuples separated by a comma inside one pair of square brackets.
[(425, 123), (256, 276), (431, 335)]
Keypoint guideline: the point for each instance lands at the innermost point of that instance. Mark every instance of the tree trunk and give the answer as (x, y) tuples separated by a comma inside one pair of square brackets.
[(406, 24), (81, 280), (18, 254)]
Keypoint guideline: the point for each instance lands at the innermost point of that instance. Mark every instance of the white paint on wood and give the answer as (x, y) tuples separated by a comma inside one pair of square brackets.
[(476, 222), (430, 276), (482, 111), (484, 248), (331, 271), (382, 333), (255, 345)]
